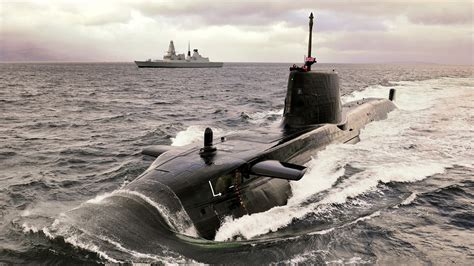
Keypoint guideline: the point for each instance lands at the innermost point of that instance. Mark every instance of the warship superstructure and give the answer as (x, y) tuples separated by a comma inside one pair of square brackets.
[(173, 60)]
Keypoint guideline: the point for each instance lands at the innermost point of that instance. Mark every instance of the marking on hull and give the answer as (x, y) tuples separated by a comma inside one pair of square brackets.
[(212, 190)]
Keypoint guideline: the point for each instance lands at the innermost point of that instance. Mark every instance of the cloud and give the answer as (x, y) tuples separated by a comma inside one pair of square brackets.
[(345, 31), (12, 50), (408, 46), (266, 12), (446, 13)]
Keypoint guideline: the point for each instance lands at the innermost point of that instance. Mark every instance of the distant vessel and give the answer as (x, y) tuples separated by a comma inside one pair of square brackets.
[(173, 60)]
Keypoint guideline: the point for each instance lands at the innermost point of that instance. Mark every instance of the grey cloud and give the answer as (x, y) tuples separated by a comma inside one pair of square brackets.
[(60, 31), (443, 14), (107, 18), (24, 47), (266, 12), (215, 13), (258, 15), (331, 22), (97, 17), (429, 12), (369, 41), (416, 46), (28, 51)]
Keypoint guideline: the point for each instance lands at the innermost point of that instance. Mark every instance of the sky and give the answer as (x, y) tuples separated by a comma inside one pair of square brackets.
[(367, 31)]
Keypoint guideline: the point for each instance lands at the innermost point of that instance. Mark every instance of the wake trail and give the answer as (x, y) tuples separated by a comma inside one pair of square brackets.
[(427, 134)]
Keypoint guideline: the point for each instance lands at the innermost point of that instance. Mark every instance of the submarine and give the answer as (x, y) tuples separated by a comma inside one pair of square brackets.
[(239, 174)]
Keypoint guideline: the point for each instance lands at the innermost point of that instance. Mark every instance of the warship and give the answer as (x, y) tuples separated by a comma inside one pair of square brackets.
[(197, 186), (173, 60)]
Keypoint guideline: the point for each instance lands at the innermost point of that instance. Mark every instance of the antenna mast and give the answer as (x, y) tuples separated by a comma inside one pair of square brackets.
[(189, 48), (308, 61), (310, 36)]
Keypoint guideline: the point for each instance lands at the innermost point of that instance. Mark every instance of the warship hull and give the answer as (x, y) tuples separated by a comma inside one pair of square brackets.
[(174, 64)]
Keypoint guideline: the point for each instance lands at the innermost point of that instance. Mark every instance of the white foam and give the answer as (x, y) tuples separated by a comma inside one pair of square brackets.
[(75, 238), (261, 117), (390, 172), (180, 220), (47, 233), (410, 199), (169, 259), (99, 198), (76, 241), (321, 174), (192, 134), (357, 260), (305, 257), (308, 255), (29, 228), (431, 131)]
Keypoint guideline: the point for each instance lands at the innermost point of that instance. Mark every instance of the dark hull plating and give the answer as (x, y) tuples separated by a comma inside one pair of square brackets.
[(212, 187)]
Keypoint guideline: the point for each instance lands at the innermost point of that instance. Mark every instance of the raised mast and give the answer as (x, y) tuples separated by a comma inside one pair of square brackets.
[(310, 36), (189, 49)]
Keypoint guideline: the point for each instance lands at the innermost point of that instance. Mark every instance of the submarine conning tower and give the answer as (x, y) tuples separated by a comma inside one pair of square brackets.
[(312, 97)]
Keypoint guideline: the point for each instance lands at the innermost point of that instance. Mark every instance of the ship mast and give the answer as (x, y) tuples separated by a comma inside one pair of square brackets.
[(189, 49), (310, 36), (308, 60)]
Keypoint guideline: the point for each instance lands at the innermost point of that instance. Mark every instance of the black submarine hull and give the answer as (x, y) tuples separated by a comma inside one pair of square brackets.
[(209, 189)]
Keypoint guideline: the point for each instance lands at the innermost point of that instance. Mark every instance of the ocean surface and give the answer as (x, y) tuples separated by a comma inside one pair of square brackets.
[(72, 134)]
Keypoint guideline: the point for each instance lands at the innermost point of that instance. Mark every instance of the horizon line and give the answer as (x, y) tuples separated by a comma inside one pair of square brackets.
[(242, 62)]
